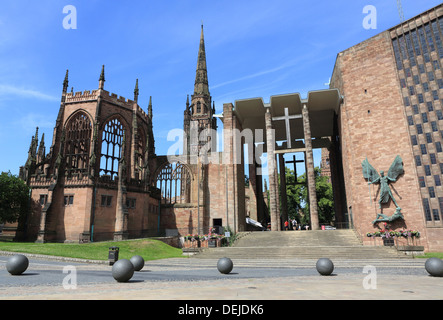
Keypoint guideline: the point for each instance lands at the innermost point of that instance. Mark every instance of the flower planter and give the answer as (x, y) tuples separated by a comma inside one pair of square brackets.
[(204, 243), (390, 236), (191, 244)]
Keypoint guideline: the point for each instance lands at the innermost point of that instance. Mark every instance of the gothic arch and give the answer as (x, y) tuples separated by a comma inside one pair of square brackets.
[(75, 114), (140, 151), (78, 132), (174, 181), (112, 134)]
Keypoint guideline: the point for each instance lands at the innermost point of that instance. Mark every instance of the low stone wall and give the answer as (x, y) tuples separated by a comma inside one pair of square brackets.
[(412, 250), (186, 244), (172, 241)]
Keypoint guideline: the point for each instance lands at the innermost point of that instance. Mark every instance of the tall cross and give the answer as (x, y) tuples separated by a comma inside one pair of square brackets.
[(287, 117), (294, 161)]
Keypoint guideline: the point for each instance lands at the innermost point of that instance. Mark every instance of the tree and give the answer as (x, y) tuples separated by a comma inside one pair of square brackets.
[(295, 195), (14, 198), (298, 197)]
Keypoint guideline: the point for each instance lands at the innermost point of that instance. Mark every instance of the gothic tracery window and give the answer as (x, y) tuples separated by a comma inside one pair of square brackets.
[(140, 151), (78, 141), (174, 182), (112, 141)]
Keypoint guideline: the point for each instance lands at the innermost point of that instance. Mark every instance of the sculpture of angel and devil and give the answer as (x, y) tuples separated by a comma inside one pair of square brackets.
[(373, 177)]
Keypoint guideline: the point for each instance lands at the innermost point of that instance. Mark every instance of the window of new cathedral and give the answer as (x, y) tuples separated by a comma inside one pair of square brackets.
[(419, 58)]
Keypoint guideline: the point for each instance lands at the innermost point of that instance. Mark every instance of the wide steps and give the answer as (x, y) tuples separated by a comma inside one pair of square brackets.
[(299, 238), (300, 244), (303, 252)]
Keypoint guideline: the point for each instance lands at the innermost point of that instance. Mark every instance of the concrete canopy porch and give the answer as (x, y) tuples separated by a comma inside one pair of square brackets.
[(301, 124)]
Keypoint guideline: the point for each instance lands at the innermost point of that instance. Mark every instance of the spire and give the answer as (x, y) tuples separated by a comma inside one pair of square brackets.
[(33, 147), (150, 108), (136, 91), (65, 82), (101, 80), (36, 134), (201, 77), (41, 148)]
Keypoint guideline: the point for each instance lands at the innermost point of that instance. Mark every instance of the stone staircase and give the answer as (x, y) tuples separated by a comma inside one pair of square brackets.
[(343, 244)]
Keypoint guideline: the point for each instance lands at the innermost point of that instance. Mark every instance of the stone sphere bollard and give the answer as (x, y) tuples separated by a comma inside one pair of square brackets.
[(122, 270), (17, 264), (434, 267), (324, 266), (138, 262), (225, 265)]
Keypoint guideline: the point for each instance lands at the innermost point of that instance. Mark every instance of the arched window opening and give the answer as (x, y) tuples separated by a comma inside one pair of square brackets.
[(112, 140), (174, 182), (139, 155), (77, 145), (199, 107)]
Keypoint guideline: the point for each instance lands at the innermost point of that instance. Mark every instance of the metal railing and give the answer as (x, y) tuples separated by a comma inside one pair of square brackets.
[(150, 233), (409, 246)]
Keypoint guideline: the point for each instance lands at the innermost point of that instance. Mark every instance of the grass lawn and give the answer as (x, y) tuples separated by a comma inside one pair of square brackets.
[(432, 254), (149, 249)]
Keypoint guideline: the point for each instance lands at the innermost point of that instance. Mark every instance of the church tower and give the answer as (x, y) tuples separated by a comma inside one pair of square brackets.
[(199, 122)]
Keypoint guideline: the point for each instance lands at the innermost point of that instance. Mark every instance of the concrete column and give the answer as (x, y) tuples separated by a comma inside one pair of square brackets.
[(233, 153), (277, 195), (273, 184), (283, 196), (313, 209), (260, 201), (228, 156), (253, 183)]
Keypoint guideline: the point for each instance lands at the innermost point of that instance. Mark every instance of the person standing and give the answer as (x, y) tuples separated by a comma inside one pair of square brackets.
[(294, 224)]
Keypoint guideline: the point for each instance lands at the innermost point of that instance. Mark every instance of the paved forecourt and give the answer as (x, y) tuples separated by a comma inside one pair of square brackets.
[(199, 279)]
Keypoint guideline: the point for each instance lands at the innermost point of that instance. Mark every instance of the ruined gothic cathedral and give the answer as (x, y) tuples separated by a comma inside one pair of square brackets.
[(102, 179)]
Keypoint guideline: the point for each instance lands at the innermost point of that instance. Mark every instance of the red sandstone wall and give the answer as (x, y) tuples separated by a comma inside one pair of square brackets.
[(221, 201), (74, 219), (144, 216), (373, 125), (104, 217), (216, 195), (183, 217)]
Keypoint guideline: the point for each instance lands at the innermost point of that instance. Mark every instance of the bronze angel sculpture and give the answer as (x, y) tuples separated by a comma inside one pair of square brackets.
[(373, 177)]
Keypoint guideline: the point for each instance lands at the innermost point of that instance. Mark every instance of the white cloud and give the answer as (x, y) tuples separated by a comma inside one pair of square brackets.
[(7, 90), (30, 121), (251, 76)]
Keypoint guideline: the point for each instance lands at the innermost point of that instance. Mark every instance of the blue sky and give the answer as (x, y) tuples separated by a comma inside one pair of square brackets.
[(254, 48)]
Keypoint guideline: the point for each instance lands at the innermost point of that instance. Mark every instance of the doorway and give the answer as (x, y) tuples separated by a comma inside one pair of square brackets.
[(217, 224)]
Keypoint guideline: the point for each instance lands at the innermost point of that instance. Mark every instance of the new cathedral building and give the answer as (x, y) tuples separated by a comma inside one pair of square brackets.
[(102, 179)]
